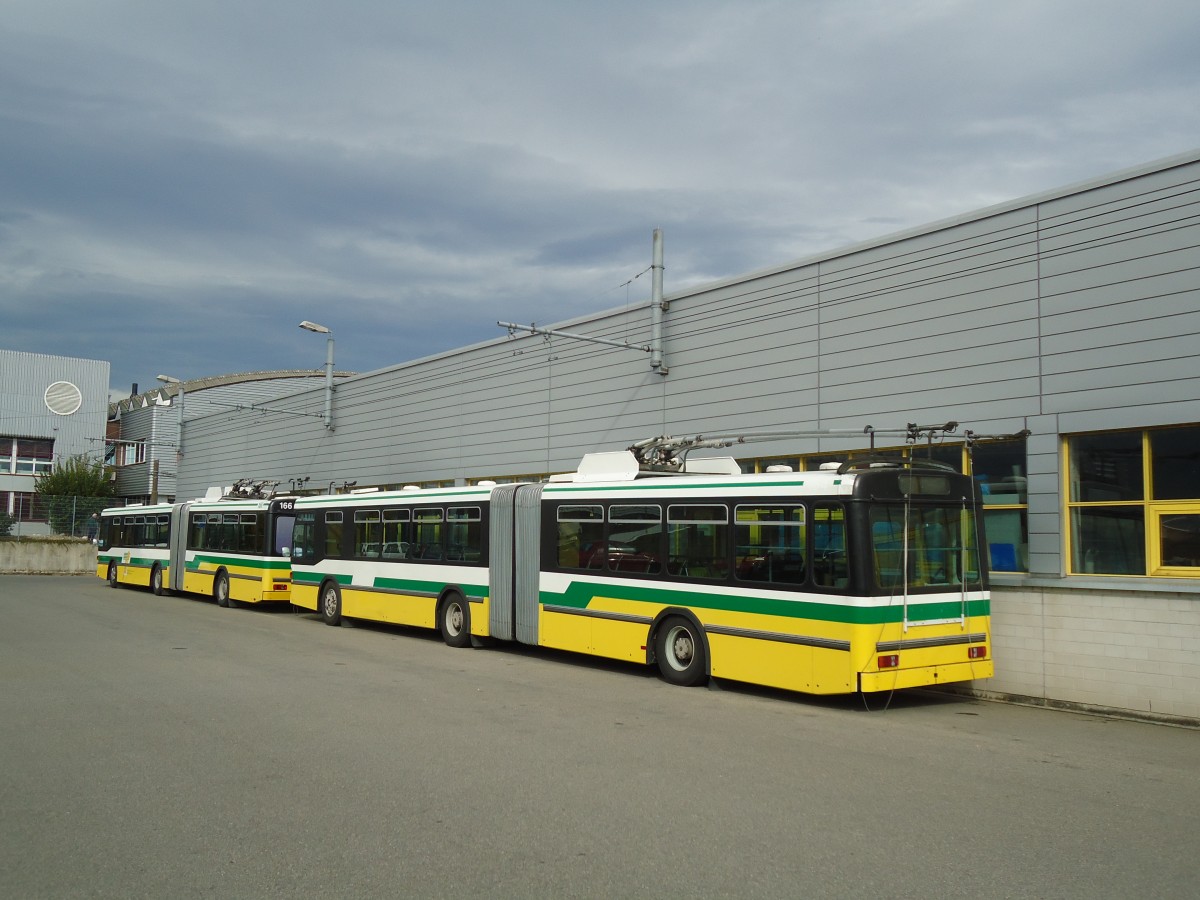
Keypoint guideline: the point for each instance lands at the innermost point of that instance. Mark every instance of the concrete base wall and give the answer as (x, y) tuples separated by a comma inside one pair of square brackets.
[(1124, 651), (53, 557)]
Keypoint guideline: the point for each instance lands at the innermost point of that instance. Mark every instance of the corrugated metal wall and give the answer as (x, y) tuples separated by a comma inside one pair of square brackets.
[(25, 378), (1070, 311)]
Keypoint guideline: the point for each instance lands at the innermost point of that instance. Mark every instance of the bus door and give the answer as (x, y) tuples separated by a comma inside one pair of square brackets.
[(179, 532)]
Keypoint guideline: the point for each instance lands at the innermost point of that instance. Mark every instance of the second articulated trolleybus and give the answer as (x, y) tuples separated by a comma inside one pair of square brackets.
[(853, 578), (234, 549)]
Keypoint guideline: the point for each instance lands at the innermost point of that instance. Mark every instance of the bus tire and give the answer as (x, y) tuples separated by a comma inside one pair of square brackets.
[(112, 575), (454, 620), (681, 652), (221, 589), (156, 586), (331, 603)]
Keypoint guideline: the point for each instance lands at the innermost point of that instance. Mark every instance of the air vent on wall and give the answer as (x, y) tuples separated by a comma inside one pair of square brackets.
[(63, 398)]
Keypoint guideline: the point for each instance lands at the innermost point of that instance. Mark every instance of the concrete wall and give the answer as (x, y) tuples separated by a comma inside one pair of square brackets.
[(47, 557), (1137, 651)]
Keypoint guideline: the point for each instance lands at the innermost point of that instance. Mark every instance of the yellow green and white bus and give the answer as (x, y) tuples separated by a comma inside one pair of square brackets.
[(860, 578), (235, 549)]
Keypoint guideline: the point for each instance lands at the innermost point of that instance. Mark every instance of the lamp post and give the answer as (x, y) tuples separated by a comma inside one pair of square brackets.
[(321, 329), (169, 379)]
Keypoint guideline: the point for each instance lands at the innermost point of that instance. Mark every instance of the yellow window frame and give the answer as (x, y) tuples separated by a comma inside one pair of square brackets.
[(1155, 513)]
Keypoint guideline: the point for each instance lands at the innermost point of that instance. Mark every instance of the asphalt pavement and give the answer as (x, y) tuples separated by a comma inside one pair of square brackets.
[(165, 747)]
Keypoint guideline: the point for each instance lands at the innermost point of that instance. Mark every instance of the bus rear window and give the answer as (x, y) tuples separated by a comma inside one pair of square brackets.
[(921, 483)]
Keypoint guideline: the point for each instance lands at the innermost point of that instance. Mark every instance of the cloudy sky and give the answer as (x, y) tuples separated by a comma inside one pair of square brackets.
[(183, 181)]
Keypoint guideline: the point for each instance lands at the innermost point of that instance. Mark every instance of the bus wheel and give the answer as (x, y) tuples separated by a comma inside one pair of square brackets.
[(112, 575), (681, 652), (331, 604), (454, 621), (221, 589), (156, 587)]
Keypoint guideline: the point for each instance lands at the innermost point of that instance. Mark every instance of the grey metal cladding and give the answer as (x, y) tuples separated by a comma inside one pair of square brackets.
[(1081, 303)]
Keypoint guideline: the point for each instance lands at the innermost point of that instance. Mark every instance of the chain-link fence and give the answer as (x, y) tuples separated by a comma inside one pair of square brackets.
[(29, 515)]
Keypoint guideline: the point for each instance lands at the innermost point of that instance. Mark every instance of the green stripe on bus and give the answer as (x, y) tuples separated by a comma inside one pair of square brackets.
[(399, 585), (252, 563), (428, 587), (580, 595)]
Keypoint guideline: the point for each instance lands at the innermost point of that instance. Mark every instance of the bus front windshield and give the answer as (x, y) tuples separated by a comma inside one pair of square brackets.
[(933, 546)]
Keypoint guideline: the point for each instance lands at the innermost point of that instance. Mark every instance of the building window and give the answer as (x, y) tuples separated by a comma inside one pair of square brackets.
[(999, 467), (131, 453), (28, 507), (26, 456), (1134, 502)]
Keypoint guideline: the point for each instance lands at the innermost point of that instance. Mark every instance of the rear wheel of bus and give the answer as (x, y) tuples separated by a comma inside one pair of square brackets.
[(454, 621), (331, 603), (221, 590), (681, 651)]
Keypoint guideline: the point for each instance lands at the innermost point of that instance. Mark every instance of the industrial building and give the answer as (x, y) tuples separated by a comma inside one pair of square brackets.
[(1061, 332), (145, 446), (52, 407)]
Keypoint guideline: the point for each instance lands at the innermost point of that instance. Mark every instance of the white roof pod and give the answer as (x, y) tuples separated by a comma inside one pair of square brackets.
[(623, 465)]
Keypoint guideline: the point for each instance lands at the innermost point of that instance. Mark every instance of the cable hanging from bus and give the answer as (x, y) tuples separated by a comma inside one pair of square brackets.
[(864, 576), (235, 548)]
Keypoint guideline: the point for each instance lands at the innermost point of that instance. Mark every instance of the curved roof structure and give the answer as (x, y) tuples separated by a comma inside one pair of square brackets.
[(163, 394)]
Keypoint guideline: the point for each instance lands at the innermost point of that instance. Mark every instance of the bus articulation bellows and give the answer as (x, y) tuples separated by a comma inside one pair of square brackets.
[(854, 578), (236, 549)]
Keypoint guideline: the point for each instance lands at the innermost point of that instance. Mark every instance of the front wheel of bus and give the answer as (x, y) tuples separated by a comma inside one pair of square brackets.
[(681, 652), (221, 589), (331, 604), (454, 622), (112, 575), (156, 587)]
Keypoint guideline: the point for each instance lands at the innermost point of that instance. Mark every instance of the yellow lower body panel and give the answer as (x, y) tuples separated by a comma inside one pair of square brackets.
[(780, 664), (397, 609), (927, 676), (139, 575), (807, 655), (611, 638), (480, 616), (305, 596), (198, 582)]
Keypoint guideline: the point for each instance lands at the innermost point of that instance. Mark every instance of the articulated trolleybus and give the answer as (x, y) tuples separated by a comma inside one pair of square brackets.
[(854, 578), (235, 548)]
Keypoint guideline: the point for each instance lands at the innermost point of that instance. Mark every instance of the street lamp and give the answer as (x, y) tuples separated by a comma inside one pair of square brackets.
[(321, 329), (170, 379)]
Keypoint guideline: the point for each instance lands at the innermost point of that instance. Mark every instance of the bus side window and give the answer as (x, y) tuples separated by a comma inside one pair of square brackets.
[(830, 565), (428, 533), (580, 538), (464, 530), (333, 533), (304, 538), (635, 538), (770, 543)]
